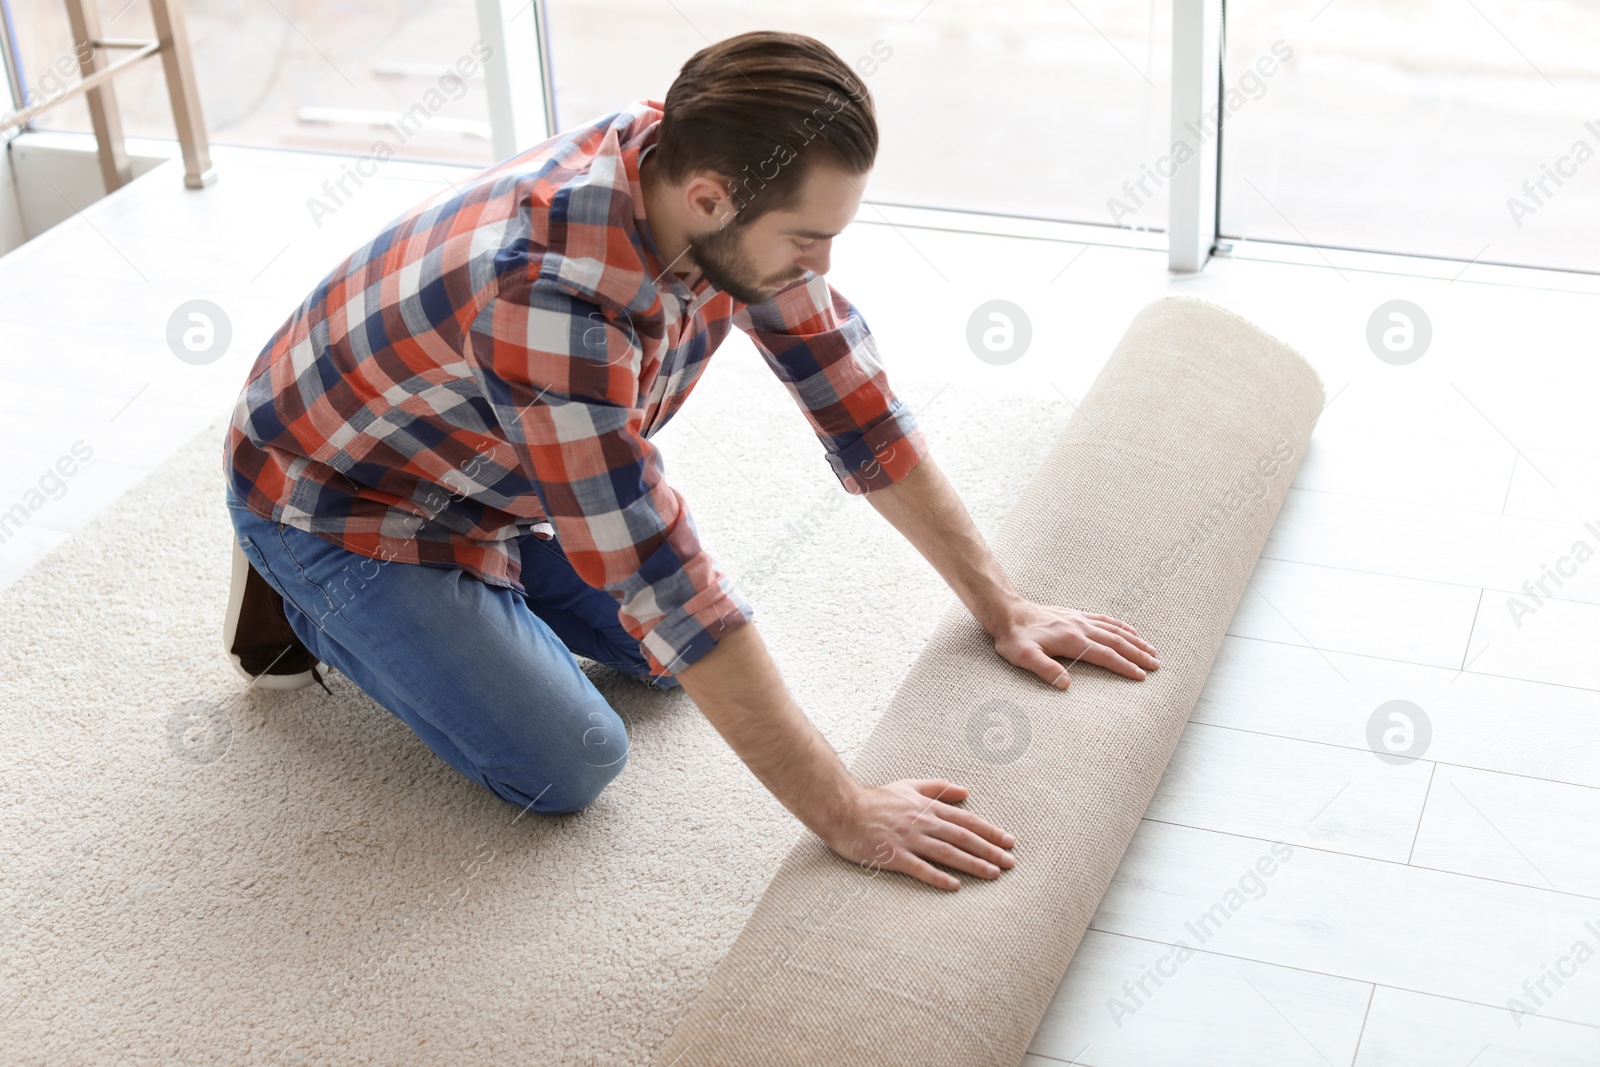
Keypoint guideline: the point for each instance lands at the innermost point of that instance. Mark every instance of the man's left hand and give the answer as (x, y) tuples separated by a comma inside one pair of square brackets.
[(1034, 633)]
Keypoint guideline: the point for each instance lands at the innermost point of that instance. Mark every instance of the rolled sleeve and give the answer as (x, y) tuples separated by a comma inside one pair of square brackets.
[(819, 346), (563, 378)]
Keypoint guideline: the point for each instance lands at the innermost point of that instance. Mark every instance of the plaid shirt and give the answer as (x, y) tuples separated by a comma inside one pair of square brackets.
[(494, 363)]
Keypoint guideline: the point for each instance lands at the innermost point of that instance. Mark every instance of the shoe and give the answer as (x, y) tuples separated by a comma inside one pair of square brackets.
[(257, 636)]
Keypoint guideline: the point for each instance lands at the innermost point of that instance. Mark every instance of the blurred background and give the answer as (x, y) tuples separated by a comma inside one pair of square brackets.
[(1393, 125)]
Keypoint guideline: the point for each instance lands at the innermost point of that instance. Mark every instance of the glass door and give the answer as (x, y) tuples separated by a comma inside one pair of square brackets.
[(1464, 129)]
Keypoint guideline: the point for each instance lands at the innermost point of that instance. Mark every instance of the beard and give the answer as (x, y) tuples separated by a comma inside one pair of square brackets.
[(721, 259)]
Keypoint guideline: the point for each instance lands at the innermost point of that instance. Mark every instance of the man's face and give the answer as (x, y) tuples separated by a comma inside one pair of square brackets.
[(752, 262)]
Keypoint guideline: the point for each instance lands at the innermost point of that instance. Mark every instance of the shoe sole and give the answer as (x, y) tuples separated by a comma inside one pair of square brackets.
[(230, 626)]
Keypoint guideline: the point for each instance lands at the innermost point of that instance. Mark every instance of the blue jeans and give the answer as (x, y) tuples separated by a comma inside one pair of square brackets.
[(483, 674)]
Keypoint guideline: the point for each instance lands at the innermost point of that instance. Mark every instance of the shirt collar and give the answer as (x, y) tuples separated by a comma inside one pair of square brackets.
[(606, 195), (633, 162)]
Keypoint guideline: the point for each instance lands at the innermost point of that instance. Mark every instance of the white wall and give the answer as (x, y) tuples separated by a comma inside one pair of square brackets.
[(47, 177)]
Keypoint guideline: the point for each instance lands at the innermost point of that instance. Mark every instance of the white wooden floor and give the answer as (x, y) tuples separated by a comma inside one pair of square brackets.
[(1416, 900)]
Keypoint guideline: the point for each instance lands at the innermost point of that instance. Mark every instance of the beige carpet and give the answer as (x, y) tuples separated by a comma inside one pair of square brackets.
[(198, 873), (1153, 507)]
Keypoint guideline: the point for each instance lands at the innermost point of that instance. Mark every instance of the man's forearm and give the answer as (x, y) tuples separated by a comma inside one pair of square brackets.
[(924, 507), (737, 686)]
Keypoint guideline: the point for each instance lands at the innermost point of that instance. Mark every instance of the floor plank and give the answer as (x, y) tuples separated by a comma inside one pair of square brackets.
[(1411, 1030), (1515, 829), (1346, 611), (1127, 1002), (1454, 545), (1301, 792), (1555, 485), (1360, 919), (1407, 469), (1497, 724), (1553, 641)]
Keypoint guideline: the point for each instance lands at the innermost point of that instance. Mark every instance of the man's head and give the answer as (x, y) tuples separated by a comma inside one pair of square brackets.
[(764, 145)]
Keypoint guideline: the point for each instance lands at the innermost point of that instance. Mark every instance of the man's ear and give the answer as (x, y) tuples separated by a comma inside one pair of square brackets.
[(708, 199)]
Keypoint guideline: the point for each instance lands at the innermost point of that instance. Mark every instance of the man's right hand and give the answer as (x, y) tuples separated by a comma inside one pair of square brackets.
[(904, 825), (899, 827)]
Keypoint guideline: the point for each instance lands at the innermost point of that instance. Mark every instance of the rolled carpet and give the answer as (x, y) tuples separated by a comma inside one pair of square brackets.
[(1152, 506)]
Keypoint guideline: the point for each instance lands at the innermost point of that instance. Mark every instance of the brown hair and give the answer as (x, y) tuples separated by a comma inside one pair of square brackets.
[(760, 109)]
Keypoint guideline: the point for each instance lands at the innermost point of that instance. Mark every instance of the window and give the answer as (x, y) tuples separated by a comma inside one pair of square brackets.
[(294, 74), (1025, 108), (1464, 130)]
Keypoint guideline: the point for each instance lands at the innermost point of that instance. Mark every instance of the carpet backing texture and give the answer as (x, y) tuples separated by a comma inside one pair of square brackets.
[(1152, 506)]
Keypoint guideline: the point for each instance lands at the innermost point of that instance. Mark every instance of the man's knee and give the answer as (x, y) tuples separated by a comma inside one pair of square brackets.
[(567, 790), (569, 776)]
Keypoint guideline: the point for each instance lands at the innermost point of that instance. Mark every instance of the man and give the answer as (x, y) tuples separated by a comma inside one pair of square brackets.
[(441, 475)]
